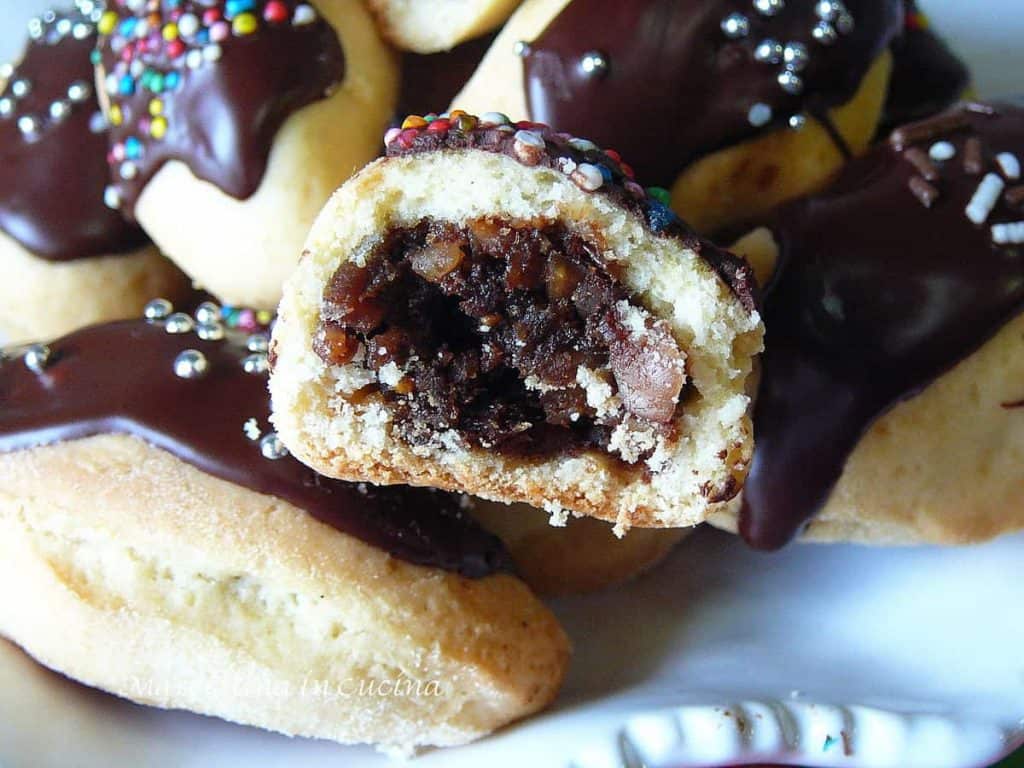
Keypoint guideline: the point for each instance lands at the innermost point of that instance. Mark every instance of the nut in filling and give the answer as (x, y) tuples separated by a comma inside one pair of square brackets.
[(516, 336)]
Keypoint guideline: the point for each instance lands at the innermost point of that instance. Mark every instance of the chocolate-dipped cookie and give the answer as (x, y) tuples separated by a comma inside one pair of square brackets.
[(733, 105), (503, 310), (149, 512), (888, 409), (232, 122), (67, 259)]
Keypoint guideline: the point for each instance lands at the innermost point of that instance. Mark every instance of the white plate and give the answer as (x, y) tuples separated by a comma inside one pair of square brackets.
[(901, 658)]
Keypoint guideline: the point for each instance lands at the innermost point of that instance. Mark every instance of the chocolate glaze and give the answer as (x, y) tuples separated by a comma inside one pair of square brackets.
[(619, 186), (676, 87), (876, 295), (222, 116), (51, 188), (118, 378), (927, 77), (431, 81)]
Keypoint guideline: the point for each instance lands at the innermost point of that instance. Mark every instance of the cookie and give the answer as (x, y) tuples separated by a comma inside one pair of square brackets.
[(702, 96), (67, 259), (151, 514), (501, 310), (888, 407), (432, 26), (232, 123)]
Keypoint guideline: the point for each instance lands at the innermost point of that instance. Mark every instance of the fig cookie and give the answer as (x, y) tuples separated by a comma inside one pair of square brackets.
[(67, 259), (158, 520), (536, 329), (232, 122)]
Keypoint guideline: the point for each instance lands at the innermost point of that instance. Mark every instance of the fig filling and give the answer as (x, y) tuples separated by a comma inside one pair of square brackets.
[(517, 336)]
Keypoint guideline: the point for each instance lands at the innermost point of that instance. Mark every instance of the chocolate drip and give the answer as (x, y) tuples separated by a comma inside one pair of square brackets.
[(431, 81), (215, 106), (52, 145), (676, 86), (119, 378), (927, 77), (879, 291)]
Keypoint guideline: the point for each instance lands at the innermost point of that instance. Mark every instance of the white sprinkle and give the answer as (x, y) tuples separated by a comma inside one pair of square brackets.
[(304, 14), (530, 139), (212, 52), (28, 125), (36, 357), (97, 122), (251, 428), (272, 448), (194, 59), (111, 84), (112, 198), (941, 151), (188, 24), (129, 170), (1008, 234), (588, 177), (566, 166), (1009, 164), (79, 91), (985, 198), (759, 114), (136, 68), (528, 147), (59, 110), (488, 119), (583, 145)]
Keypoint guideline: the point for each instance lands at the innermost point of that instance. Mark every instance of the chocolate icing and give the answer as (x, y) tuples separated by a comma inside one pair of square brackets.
[(431, 81), (221, 116), (677, 87), (118, 378), (51, 188), (927, 77), (559, 152), (876, 295)]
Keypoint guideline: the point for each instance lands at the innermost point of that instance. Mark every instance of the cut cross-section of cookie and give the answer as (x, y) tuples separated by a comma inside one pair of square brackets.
[(502, 310)]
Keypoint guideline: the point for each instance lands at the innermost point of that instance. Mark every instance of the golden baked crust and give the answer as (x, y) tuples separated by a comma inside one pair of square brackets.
[(42, 299), (698, 469), (727, 187), (242, 250), (944, 467), (431, 26), (139, 574), (580, 554)]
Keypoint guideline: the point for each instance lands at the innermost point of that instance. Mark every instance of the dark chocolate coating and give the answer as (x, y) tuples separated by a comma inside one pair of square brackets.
[(927, 77), (677, 87), (52, 181), (876, 296), (119, 378), (431, 81), (223, 116)]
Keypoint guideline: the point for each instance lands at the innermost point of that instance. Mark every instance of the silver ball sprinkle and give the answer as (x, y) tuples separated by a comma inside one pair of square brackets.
[(157, 309), (795, 56), (36, 357), (210, 331), (112, 198), (257, 343), (768, 51), (179, 322), (81, 31), (769, 7), (6, 107), (791, 82), (256, 364), (191, 364), (845, 23), (79, 91), (759, 115), (59, 110), (735, 26), (21, 88), (827, 10), (271, 447), (594, 63), (208, 312), (28, 125), (521, 49), (824, 33), (64, 27), (796, 122)]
